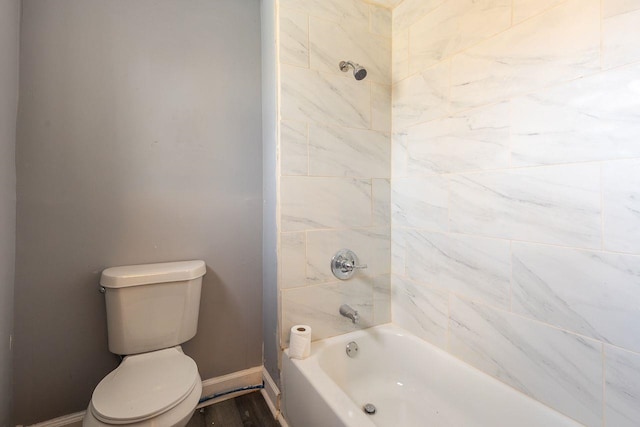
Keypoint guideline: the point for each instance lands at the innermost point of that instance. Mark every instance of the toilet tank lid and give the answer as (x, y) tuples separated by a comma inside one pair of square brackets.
[(146, 274)]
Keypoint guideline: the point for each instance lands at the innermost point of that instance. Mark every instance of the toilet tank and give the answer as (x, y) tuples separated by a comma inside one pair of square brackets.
[(152, 306)]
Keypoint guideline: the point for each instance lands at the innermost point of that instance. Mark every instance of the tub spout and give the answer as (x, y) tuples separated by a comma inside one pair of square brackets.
[(349, 313)]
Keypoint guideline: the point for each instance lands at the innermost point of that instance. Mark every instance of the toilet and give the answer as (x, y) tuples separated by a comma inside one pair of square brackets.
[(151, 310)]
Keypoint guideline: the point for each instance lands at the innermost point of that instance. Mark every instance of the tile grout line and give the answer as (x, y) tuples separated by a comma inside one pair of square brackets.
[(503, 170), (511, 276), (602, 230), (601, 35), (604, 386), (511, 239)]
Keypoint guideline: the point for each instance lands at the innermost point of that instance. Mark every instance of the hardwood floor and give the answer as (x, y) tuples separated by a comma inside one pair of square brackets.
[(248, 410)]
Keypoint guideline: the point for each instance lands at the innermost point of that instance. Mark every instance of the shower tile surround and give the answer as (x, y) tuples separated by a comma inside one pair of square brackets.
[(510, 179)]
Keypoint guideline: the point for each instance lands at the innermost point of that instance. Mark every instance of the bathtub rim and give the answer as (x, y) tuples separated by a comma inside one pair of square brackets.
[(342, 404)]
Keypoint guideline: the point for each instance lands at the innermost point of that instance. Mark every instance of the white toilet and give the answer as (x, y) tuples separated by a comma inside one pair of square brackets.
[(151, 310)]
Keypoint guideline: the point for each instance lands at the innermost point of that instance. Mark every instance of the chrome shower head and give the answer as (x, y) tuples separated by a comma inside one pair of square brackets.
[(359, 72)]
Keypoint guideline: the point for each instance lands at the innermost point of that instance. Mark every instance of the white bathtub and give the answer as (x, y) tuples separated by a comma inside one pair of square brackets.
[(411, 383)]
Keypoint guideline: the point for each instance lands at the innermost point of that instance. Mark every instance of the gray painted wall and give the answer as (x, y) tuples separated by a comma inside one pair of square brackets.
[(9, 32), (269, 172), (139, 141)]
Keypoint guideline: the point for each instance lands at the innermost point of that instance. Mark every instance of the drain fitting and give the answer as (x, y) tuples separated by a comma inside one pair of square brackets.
[(369, 409)]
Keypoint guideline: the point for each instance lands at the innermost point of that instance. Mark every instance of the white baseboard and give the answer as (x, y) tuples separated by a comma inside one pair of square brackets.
[(282, 421), (248, 377), (271, 393), (71, 420)]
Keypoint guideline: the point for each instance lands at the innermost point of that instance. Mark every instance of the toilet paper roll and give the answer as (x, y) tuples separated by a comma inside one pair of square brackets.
[(300, 342)]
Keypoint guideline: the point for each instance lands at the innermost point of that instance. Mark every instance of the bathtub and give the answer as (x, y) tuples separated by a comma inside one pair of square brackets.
[(410, 382)]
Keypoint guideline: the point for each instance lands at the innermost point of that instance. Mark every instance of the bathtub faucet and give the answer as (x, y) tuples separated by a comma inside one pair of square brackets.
[(349, 313)]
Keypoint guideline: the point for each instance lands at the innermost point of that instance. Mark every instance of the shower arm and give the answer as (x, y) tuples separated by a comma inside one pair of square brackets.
[(344, 66)]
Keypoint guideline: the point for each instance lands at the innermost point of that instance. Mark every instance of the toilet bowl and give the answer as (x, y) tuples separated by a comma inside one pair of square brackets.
[(161, 388), (151, 310)]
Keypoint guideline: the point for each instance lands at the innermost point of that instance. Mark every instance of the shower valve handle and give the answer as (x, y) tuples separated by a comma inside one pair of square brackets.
[(344, 263), (346, 266)]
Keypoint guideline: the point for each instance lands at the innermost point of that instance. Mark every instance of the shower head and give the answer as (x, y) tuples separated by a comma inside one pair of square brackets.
[(359, 72)]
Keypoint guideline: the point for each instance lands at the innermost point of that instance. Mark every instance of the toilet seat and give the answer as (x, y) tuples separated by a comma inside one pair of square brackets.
[(144, 386)]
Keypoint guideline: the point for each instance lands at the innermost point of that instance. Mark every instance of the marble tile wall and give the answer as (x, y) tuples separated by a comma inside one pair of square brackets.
[(515, 194), (334, 157)]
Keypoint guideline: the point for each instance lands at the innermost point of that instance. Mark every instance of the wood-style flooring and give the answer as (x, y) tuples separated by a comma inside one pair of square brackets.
[(248, 410)]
